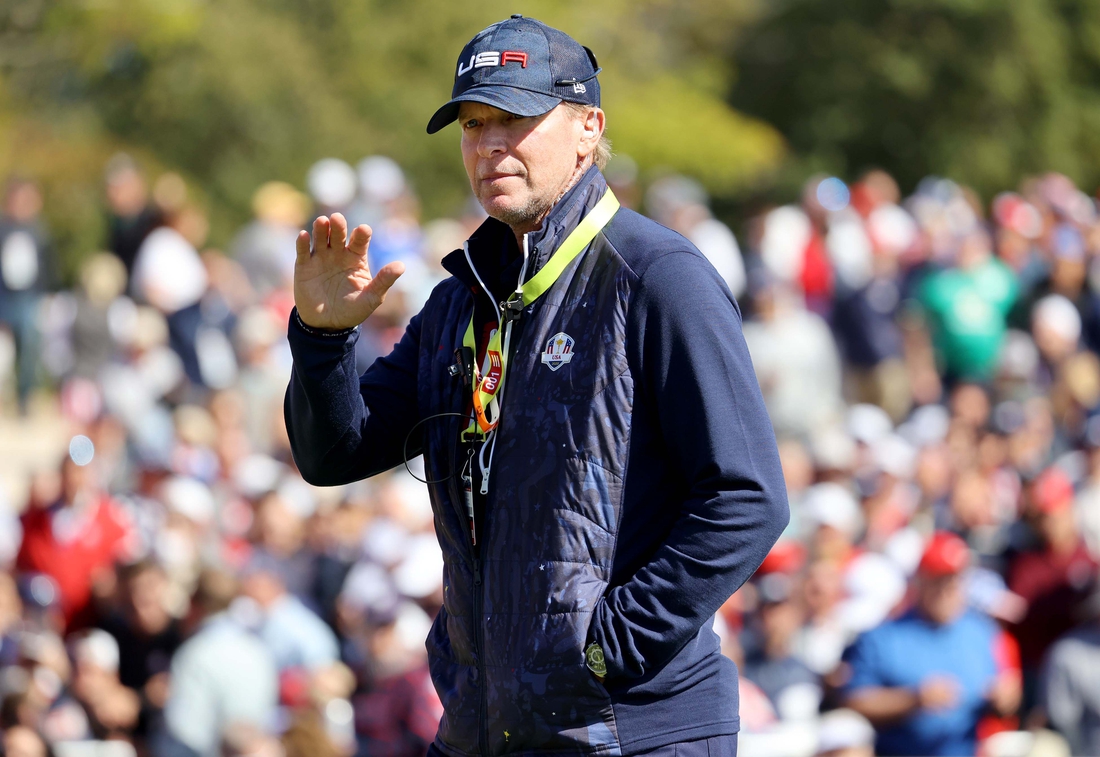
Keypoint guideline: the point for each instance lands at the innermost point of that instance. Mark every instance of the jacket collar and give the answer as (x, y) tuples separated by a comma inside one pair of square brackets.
[(493, 246)]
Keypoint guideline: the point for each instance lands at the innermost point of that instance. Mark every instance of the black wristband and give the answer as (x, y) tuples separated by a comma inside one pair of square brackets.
[(329, 333)]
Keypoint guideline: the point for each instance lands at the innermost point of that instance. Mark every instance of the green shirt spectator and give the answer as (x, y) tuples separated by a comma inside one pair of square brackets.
[(967, 308)]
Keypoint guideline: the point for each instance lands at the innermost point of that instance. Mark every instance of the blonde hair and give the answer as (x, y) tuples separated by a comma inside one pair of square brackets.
[(603, 149)]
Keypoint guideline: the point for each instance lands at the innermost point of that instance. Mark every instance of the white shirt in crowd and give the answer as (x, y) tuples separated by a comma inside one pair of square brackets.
[(168, 272)]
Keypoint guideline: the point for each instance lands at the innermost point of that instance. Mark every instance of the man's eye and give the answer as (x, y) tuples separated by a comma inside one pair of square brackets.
[(470, 124)]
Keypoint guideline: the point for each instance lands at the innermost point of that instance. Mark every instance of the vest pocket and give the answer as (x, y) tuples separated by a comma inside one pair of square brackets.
[(559, 709)]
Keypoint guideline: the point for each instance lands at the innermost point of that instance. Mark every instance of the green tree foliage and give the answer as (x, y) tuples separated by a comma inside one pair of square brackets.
[(984, 91), (232, 93)]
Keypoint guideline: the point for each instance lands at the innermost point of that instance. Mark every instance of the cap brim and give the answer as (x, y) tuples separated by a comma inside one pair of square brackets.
[(521, 102)]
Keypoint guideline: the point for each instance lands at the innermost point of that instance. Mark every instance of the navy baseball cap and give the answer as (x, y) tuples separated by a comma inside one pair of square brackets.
[(524, 67)]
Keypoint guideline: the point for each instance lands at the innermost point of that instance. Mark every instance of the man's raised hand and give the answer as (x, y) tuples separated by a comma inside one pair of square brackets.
[(333, 285)]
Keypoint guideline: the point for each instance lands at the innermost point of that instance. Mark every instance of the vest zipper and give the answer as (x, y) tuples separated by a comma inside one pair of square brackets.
[(479, 645), (479, 632)]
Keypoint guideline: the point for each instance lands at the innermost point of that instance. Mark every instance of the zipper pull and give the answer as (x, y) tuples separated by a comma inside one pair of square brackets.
[(477, 571), (485, 481), (468, 496)]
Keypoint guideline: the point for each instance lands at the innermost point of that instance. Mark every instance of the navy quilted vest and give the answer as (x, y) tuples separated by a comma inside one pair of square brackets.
[(507, 650)]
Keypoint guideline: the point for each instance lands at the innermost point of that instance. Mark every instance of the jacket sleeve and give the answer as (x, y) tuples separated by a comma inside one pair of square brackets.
[(697, 378), (342, 426)]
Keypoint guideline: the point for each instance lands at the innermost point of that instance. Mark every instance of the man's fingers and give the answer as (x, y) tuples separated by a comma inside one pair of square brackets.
[(320, 234), (301, 246), (360, 239), (338, 231)]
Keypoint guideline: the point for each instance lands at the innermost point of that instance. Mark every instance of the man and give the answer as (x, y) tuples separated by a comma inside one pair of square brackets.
[(925, 679), (295, 636), (76, 540), (967, 308), (1070, 683), (1054, 577), (770, 662), (222, 678), (594, 518), (111, 708), (147, 635), (130, 214), (26, 274)]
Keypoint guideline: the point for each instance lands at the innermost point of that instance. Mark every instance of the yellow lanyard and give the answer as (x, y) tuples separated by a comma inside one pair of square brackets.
[(487, 388)]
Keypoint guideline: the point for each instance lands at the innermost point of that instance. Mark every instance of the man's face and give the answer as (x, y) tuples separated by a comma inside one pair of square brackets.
[(147, 590), (1058, 527), (941, 598), (518, 166)]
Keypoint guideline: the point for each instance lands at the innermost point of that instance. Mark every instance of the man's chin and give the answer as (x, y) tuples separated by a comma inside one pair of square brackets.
[(507, 210)]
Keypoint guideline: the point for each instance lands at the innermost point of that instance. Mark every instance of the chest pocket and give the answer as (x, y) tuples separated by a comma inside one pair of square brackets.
[(573, 366), (581, 352)]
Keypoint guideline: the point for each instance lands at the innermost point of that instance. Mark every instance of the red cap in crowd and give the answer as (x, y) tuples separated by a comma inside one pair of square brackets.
[(945, 555), (787, 556), (1052, 491)]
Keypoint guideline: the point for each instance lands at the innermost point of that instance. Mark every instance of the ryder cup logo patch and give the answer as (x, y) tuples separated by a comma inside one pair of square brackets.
[(559, 351)]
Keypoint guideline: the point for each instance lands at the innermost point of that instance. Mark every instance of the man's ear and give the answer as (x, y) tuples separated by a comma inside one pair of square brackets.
[(592, 128)]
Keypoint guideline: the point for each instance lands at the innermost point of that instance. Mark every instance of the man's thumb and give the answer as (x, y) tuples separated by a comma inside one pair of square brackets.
[(384, 279)]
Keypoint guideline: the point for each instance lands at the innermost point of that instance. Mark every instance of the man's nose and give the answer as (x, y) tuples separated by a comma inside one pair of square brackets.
[(491, 141)]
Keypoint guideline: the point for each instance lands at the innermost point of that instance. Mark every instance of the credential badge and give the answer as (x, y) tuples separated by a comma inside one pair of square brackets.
[(559, 351)]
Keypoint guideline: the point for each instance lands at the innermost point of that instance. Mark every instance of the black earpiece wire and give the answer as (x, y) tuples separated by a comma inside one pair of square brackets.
[(454, 449)]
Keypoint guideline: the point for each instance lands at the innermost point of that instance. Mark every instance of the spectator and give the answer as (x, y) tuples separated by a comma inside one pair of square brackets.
[(1054, 577), (280, 532), (102, 282), (1067, 277), (682, 205), (793, 689), (147, 635), (821, 640), (1070, 686), (924, 679), (967, 309), (866, 249), (816, 277), (795, 359), (26, 273), (1087, 503), (75, 539), (130, 215), (112, 709), (295, 636), (264, 247), (392, 210), (169, 275), (222, 677), (397, 710), (40, 698)]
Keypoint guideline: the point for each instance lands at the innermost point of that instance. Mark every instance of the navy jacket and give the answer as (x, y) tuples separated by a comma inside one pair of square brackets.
[(633, 490)]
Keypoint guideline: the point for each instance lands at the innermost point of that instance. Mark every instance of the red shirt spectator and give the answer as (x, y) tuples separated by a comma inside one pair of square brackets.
[(74, 541), (1054, 579), (400, 714)]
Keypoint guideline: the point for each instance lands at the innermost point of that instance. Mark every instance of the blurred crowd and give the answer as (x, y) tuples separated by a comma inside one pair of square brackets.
[(169, 585)]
